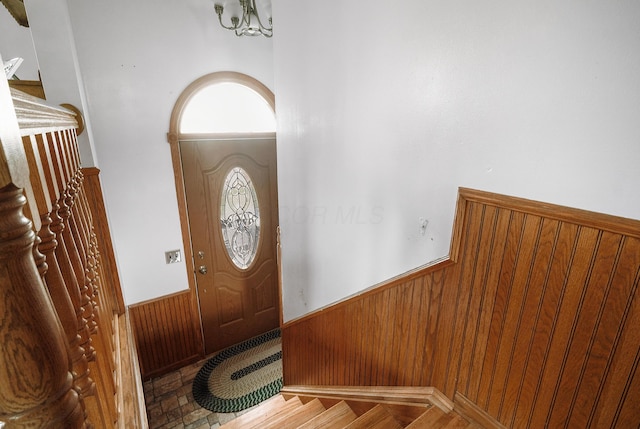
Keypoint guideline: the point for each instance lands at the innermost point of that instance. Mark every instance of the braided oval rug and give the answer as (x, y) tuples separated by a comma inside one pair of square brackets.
[(241, 376)]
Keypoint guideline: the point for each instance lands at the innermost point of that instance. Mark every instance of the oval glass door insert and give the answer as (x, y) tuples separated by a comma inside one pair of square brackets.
[(240, 218)]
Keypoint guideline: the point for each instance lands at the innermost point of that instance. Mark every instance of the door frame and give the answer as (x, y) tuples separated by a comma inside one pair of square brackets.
[(173, 138)]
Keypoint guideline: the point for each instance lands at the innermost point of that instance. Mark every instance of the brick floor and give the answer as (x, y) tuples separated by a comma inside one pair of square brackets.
[(170, 403)]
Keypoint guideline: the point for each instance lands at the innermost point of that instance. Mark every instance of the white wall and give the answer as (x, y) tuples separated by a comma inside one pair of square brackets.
[(385, 109), (15, 41), (136, 58), (61, 77)]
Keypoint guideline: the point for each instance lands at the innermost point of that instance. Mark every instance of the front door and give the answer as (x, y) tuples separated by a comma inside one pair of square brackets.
[(231, 193)]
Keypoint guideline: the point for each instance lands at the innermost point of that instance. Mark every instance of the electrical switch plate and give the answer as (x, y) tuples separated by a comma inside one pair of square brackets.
[(172, 256)]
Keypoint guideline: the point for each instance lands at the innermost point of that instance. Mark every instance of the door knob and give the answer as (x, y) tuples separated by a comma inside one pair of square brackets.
[(202, 269)]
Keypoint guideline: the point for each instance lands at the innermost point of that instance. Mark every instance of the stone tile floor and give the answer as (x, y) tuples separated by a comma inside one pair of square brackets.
[(170, 403)]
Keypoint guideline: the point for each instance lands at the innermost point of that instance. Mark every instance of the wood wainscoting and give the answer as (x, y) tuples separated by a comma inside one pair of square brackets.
[(534, 318), (95, 201), (167, 333)]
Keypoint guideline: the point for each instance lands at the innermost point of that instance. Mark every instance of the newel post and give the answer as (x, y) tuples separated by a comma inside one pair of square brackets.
[(36, 386)]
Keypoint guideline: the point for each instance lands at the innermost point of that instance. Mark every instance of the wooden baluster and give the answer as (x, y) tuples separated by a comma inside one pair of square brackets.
[(56, 149), (53, 276), (62, 256), (79, 219), (36, 391), (101, 282), (92, 251), (69, 241), (44, 255), (76, 229), (104, 313), (93, 255), (60, 296), (95, 404), (104, 364)]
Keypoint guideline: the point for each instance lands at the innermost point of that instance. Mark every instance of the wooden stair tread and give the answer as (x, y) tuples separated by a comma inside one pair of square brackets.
[(295, 412), (335, 417), (376, 418), (265, 411), (459, 423), (434, 417), (295, 417)]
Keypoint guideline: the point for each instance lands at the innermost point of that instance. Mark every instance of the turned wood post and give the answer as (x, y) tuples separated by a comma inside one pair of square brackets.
[(36, 388)]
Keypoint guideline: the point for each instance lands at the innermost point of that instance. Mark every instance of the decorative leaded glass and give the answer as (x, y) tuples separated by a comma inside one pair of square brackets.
[(240, 217)]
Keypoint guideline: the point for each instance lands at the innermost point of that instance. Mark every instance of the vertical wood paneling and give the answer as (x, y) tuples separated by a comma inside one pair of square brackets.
[(586, 337), (477, 293), (473, 256), (474, 340), (391, 315), (434, 294), (525, 341), (620, 388), (500, 304), (396, 302), (627, 412), (532, 293), (575, 346), (504, 359), (357, 347), (487, 303), (544, 330), (536, 319), (565, 328), (166, 334), (404, 342), (96, 202), (378, 344)]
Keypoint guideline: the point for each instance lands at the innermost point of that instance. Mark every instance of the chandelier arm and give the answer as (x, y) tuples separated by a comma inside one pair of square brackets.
[(224, 26), (219, 9), (255, 13), (246, 13), (266, 32), (262, 27)]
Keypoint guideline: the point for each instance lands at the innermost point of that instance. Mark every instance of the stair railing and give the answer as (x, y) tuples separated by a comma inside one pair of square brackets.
[(57, 341)]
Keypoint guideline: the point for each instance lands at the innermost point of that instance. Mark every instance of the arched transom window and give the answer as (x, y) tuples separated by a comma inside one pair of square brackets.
[(227, 107)]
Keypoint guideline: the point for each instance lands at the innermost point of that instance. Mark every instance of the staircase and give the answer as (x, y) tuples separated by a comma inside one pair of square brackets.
[(337, 410)]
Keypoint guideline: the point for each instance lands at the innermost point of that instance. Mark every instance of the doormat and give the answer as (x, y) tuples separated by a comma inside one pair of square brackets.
[(241, 376)]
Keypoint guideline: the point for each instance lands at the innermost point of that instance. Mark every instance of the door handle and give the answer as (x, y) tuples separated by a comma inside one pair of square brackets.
[(202, 269)]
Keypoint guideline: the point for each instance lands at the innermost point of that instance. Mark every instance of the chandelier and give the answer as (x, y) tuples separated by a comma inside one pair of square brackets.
[(249, 24)]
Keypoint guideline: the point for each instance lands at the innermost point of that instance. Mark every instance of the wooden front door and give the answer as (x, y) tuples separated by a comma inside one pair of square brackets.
[(231, 194)]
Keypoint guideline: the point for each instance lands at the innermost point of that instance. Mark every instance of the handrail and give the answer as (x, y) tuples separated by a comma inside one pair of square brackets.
[(36, 116)]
